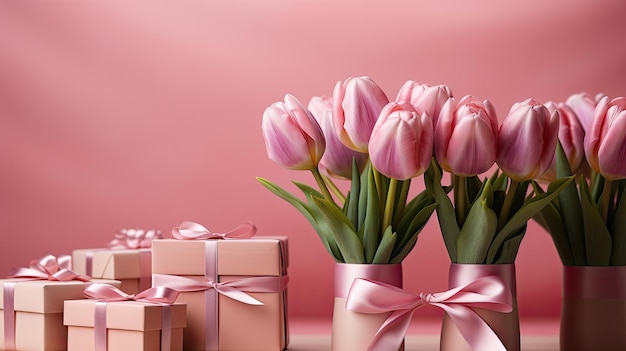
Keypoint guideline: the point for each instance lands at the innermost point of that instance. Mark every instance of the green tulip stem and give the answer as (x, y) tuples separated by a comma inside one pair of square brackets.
[(460, 194), (606, 199), (334, 189), (390, 203), (378, 181), (401, 203), (508, 203), (320, 182)]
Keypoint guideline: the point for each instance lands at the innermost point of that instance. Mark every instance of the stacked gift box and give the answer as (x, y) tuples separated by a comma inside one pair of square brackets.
[(226, 291)]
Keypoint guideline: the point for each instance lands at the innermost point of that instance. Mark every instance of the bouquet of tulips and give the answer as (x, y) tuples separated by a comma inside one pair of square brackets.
[(587, 221), (380, 146), (485, 221)]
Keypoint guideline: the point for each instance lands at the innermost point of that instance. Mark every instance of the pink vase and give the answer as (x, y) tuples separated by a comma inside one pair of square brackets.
[(353, 331), (593, 311), (505, 325)]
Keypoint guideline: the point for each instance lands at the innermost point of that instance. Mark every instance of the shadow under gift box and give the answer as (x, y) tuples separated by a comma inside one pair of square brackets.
[(38, 308), (131, 325), (132, 267), (240, 326)]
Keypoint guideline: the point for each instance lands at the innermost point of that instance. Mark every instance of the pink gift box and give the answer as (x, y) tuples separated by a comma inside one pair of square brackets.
[(240, 326), (131, 325), (132, 267), (38, 308)]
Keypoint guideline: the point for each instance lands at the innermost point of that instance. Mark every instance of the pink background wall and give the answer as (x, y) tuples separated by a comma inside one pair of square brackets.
[(119, 114)]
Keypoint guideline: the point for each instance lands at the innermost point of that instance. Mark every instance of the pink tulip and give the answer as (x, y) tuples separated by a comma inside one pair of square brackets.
[(337, 159), (293, 138), (401, 146), (605, 144), (584, 104), (571, 136), (466, 136), (527, 140), (425, 98), (357, 103)]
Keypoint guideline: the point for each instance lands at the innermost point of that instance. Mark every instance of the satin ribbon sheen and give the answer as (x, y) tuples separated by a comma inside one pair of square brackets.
[(194, 231), (134, 238), (104, 293), (46, 268), (490, 292)]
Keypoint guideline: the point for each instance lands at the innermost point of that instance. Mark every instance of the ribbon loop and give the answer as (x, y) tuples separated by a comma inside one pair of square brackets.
[(49, 267), (490, 292), (109, 293), (193, 231)]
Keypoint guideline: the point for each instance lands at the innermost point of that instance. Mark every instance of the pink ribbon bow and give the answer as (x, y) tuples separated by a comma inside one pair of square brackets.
[(490, 292), (134, 238), (49, 268), (46, 268), (106, 293), (234, 289), (194, 231)]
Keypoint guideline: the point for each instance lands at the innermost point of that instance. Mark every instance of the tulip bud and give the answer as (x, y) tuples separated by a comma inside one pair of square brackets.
[(401, 146), (357, 103), (293, 138), (571, 136), (337, 159), (527, 140), (425, 98), (605, 144), (583, 105), (466, 136)]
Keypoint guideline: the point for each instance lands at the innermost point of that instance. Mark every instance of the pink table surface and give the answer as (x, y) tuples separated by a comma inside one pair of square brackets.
[(314, 335)]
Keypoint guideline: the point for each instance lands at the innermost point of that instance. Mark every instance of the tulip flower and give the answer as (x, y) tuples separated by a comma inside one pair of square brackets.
[(527, 140), (337, 159), (425, 98), (357, 103), (402, 141), (293, 138), (584, 104), (571, 136), (466, 136), (605, 144)]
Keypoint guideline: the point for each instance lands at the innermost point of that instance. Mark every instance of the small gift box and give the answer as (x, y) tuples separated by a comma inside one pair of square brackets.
[(234, 286), (127, 259), (31, 304), (112, 320)]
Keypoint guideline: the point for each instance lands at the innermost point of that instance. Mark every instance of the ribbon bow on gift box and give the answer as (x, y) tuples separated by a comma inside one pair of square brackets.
[(367, 296), (46, 268), (134, 238), (106, 293), (194, 231)]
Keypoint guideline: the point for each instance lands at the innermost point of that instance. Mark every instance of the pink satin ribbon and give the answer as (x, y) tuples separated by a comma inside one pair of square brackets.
[(194, 231), (234, 289), (46, 268), (134, 238), (490, 292), (161, 295)]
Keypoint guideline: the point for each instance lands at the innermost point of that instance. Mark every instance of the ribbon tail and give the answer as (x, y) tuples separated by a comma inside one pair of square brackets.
[(237, 294), (474, 329), (391, 334)]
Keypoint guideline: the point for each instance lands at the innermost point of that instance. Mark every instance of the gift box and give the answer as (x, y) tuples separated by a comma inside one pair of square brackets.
[(37, 321), (243, 303), (132, 267), (127, 259), (130, 325)]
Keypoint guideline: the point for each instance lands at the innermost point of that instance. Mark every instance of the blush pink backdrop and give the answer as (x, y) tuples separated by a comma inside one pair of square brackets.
[(122, 114)]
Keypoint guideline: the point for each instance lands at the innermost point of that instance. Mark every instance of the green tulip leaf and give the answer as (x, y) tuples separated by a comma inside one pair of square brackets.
[(510, 248), (363, 190), (383, 253), (372, 224), (445, 210), (352, 203), (618, 229), (340, 228), (598, 243), (413, 230), (524, 214), (309, 213), (477, 232)]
